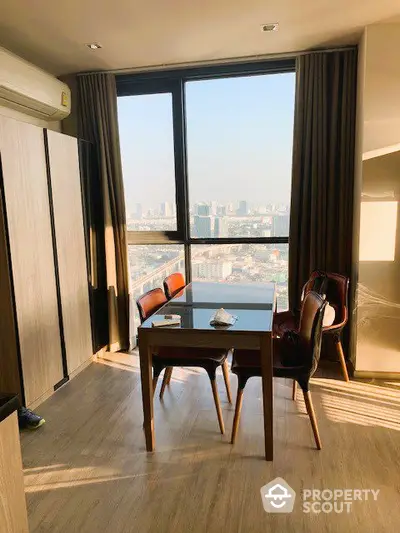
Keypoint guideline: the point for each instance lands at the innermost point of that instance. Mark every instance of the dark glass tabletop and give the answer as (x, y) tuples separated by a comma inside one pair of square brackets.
[(252, 303)]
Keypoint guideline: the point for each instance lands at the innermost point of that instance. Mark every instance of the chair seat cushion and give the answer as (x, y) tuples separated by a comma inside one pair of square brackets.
[(285, 321), (246, 359), (249, 361), (217, 355), (288, 321)]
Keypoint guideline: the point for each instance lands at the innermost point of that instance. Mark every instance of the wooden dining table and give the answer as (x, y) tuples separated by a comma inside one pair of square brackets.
[(252, 303)]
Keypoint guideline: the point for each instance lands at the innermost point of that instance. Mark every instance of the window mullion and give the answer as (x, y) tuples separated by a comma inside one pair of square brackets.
[(179, 151)]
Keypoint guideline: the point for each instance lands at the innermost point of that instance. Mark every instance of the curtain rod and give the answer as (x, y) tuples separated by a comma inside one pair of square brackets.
[(211, 62)]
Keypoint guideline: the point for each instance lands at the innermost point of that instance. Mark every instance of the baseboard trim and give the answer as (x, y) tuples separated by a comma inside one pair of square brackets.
[(42, 399), (73, 374), (101, 353), (82, 367), (376, 375)]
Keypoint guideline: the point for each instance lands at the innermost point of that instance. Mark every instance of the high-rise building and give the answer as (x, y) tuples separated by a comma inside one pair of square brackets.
[(214, 207), (220, 227), (212, 270), (221, 210), (166, 209), (202, 209), (202, 226), (243, 208), (280, 225), (138, 212)]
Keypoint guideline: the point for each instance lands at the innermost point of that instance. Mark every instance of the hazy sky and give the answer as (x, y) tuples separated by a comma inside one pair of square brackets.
[(239, 136)]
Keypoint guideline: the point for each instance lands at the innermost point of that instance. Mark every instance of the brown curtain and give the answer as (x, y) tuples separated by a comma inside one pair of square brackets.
[(98, 124), (323, 167)]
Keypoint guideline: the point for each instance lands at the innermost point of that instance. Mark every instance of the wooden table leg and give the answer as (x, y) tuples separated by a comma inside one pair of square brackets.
[(267, 393), (146, 370)]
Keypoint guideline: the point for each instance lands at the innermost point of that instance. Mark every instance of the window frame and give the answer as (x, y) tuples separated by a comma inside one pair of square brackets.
[(173, 81)]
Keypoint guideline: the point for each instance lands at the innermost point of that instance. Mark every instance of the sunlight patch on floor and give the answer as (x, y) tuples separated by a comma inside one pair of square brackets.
[(359, 403), (72, 483), (37, 469)]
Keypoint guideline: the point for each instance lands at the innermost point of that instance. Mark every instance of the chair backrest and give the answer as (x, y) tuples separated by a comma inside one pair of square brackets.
[(335, 287), (150, 302), (310, 329), (173, 284)]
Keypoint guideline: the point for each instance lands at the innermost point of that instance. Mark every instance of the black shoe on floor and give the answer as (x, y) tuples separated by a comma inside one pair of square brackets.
[(27, 419)]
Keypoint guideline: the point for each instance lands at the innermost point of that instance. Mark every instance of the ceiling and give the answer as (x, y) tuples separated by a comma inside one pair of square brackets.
[(135, 33)]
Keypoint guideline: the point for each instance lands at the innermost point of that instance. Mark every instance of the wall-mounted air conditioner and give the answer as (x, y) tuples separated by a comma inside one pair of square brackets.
[(30, 90)]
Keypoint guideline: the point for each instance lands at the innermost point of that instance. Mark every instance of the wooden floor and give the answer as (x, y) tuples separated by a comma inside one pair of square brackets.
[(87, 471)]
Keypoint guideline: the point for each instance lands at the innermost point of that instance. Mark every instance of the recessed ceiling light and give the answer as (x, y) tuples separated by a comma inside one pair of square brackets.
[(94, 46), (273, 26)]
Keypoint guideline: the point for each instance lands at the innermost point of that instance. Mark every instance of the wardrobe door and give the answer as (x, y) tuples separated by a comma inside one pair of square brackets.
[(70, 244), (31, 256), (10, 379)]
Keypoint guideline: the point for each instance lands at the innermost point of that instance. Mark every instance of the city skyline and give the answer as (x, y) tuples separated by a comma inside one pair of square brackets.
[(167, 209), (239, 141), (213, 219)]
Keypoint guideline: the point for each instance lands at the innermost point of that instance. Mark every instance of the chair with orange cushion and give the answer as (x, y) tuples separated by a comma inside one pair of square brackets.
[(172, 285), (335, 287), (208, 358), (296, 358)]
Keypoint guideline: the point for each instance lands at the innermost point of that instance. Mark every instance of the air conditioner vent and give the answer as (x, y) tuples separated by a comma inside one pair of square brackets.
[(30, 90)]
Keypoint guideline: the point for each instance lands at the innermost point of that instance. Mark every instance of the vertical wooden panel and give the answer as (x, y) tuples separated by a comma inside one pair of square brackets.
[(10, 380), (13, 514), (70, 239), (28, 217)]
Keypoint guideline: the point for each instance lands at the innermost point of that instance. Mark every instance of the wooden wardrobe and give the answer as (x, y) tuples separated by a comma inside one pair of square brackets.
[(45, 333)]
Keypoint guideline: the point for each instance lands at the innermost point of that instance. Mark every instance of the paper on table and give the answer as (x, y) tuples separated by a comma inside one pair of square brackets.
[(165, 323), (222, 318), (166, 320)]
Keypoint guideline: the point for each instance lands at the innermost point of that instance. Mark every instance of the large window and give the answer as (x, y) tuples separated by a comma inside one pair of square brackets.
[(207, 157), (148, 166), (239, 142)]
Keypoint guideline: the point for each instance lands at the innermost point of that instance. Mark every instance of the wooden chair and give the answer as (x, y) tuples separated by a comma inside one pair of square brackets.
[(172, 285), (208, 358), (296, 360), (336, 288)]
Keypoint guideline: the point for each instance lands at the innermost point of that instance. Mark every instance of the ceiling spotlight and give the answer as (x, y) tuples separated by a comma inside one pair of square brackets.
[(274, 26), (94, 46)]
